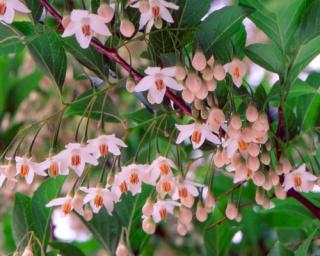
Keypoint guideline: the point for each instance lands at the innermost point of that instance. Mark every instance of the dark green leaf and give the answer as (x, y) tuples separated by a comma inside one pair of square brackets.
[(36, 9), (303, 248), (279, 250), (10, 40), (67, 249)]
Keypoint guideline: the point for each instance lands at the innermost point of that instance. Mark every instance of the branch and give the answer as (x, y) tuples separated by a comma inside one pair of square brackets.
[(112, 54)]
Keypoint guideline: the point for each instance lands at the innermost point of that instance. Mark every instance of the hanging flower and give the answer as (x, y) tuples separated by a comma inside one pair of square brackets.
[(162, 208), (186, 191), (98, 197), (157, 11), (237, 69), (198, 132), (300, 180), (8, 9), (84, 26), (104, 144), (26, 168), (156, 82), (68, 203), (161, 166), (56, 165), (166, 186)]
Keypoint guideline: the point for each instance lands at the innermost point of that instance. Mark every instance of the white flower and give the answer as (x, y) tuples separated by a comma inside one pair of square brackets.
[(56, 165), (99, 197), (198, 132), (300, 180), (184, 190), (161, 209), (158, 11), (166, 186), (8, 9), (26, 168), (159, 167), (84, 26), (237, 69), (104, 144), (67, 203), (157, 81), (77, 156)]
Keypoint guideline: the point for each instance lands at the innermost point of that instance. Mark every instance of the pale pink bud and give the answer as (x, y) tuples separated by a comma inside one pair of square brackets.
[(258, 178), (27, 251), (253, 149), (130, 85), (285, 164), (236, 160), (88, 215), (231, 211), (278, 169), (198, 104), (216, 118), (209, 202), (193, 82), (236, 121), (204, 113), (201, 213), (199, 61), (106, 11), (218, 160), (144, 6), (268, 146), (185, 215), (147, 208), (180, 73), (246, 134), (219, 72), (122, 250), (149, 226), (78, 201), (187, 201), (266, 203), (279, 192), (274, 178), (182, 229), (207, 74), (252, 113), (239, 217), (203, 92), (211, 85), (65, 21), (267, 185), (233, 133), (127, 28), (259, 197), (253, 163), (265, 158), (210, 61), (187, 95), (10, 171)]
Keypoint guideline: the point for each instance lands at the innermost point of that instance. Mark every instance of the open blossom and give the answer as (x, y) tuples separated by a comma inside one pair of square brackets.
[(98, 197), (56, 165), (77, 156), (162, 208), (26, 168), (157, 11), (186, 190), (156, 82), (84, 25), (104, 144), (8, 9), (300, 180), (161, 166), (166, 186), (237, 69), (68, 203), (198, 132)]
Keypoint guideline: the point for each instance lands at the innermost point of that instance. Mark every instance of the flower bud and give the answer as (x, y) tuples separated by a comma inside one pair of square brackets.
[(188, 201), (235, 121), (253, 149), (201, 213), (268, 146), (285, 164), (180, 73), (209, 202), (185, 215), (65, 21), (253, 163), (239, 217), (130, 85), (204, 113), (274, 178), (122, 249), (265, 158), (231, 211), (246, 134), (279, 192), (10, 171), (267, 185), (106, 11), (147, 208), (252, 113), (27, 251), (266, 203), (233, 133), (182, 229), (207, 74), (218, 72), (258, 178), (149, 226), (217, 159), (78, 201), (203, 92), (193, 82), (211, 85), (88, 215), (127, 28), (259, 197), (199, 61), (187, 95)]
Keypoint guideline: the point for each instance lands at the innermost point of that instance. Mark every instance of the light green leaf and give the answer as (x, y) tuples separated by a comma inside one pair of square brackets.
[(10, 40), (279, 250), (303, 248)]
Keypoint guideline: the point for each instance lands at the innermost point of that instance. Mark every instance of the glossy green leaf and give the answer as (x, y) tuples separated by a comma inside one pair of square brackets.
[(10, 40)]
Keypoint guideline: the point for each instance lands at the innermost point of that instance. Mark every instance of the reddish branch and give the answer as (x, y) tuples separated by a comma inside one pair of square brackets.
[(112, 54)]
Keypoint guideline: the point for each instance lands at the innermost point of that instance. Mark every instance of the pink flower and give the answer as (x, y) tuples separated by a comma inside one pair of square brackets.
[(8, 9), (157, 11), (198, 132), (237, 69), (161, 209), (26, 168), (68, 203), (56, 165), (84, 26), (157, 81), (300, 180), (186, 190), (159, 167), (166, 186), (104, 144)]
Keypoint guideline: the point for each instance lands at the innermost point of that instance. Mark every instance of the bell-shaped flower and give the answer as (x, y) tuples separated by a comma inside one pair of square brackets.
[(84, 25), (198, 133), (157, 11), (161, 166), (162, 208), (56, 165), (26, 168), (98, 197), (104, 144), (156, 82), (300, 180), (237, 69), (166, 186), (186, 191), (68, 203), (8, 9)]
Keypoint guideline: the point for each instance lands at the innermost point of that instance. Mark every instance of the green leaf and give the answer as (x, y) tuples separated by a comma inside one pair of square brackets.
[(267, 56), (101, 106), (310, 26), (219, 26), (67, 249), (10, 40), (95, 5), (49, 54), (303, 248), (48, 190), (36, 9), (279, 250), (278, 19), (22, 218)]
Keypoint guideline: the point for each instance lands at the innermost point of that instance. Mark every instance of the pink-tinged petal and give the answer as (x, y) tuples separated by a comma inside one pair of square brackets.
[(57, 201), (288, 182), (120, 142), (29, 177), (149, 25), (90, 159), (157, 95), (71, 29), (114, 149), (193, 190), (211, 137), (232, 147), (145, 84), (237, 81), (83, 40), (170, 71), (108, 205), (8, 16), (79, 169), (165, 14), (144, 19), (20, 7), (169, 5), (78, 15), (40, 172), (198, 145), (99, 27), (173, 84), (94, 208), (185, 132), (135, 5), (152, 71), (89, 197), (2, 179), (309, 177)]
